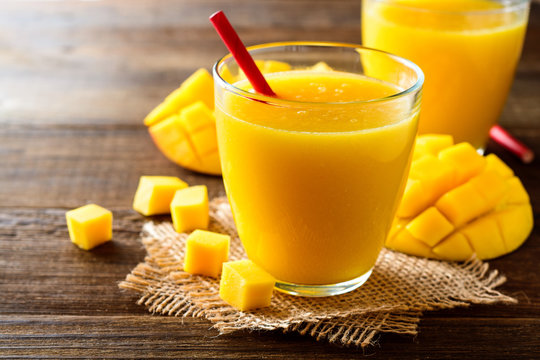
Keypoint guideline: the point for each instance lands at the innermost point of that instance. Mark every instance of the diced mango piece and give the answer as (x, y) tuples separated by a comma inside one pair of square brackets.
[(493, 162), (414, 200), (206, 252), (197, 116), (189, 209), (485, 237), (273, 66), (430, 227), (485, 211), (437, 176), (455, 247), (515, 223), (403, 241), (431, 144), (155, 193), (321, 66), (204, 141), (171, 138), (89, 226), (462, 204), (199, 86), (464, 159), (245, 286), (490, 185)]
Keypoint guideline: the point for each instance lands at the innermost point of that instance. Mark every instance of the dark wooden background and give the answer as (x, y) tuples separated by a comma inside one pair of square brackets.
[(76, 79)]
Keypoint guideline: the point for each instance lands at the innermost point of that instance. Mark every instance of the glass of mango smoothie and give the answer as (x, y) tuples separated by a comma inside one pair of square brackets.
[(313, 176), (468, 50)]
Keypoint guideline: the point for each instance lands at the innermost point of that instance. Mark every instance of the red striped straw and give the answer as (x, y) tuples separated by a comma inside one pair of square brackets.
[(503, 138), (241, 55)]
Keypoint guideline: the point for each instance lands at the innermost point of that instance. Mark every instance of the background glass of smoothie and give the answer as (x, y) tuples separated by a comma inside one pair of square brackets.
[(468, 50), (314, 176)]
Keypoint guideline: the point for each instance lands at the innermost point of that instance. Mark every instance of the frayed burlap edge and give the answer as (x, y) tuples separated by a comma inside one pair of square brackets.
[(392, 300)]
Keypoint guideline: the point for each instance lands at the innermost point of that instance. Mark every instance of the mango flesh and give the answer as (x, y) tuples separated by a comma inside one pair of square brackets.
[(189, 138), (245, 286), (89, 226), (155, 193), (189, 209), (458, 203), (206, 252), (183, 126)]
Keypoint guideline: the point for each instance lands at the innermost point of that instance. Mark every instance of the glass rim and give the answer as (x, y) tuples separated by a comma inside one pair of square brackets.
[(507, 6), (277, 101)]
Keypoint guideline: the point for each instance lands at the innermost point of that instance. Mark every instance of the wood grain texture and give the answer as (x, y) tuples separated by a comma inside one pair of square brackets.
[(76, 79)]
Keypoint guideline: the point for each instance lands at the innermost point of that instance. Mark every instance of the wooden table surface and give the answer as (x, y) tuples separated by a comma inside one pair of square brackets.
[(76, 79)]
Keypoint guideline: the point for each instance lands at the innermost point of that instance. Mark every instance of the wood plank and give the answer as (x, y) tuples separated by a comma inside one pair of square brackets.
[(167, 337), (68, 167)]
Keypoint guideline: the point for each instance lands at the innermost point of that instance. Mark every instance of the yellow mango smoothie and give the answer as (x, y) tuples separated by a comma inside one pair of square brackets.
[(468, 50), (313, 176)]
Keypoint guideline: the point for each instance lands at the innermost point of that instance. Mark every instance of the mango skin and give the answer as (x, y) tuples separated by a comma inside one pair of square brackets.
[(458, 203)]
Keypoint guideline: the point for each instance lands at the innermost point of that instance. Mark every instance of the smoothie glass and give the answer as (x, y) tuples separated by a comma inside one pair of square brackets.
[(313, 185), (468, 50)]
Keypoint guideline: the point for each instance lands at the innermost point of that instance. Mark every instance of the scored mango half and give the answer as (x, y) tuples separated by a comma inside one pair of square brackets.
[(458, 203), (183, 126)]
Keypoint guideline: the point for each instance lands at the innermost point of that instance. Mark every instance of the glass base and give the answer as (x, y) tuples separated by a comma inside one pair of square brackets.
[(322, 290)]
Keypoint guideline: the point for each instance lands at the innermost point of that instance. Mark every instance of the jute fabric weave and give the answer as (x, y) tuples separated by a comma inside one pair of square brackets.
[(400, 288)]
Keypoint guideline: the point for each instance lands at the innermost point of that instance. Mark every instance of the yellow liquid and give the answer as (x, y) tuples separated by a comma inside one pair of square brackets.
[(468, 59), (313, 188)]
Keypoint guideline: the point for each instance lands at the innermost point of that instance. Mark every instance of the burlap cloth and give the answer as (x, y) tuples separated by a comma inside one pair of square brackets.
[(392, 300)]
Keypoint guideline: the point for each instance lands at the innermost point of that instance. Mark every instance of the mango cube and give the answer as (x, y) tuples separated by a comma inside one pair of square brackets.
[(490, 185), (321, 66), (155, 193), (464, 159), (199, 86), (431, 144), (414, 200), (245, 286), (485, 237), (189, 209), (430, 226), (89, 226), (455, 247), (485, 210), (403, 241), (462, 204), (206, 252)]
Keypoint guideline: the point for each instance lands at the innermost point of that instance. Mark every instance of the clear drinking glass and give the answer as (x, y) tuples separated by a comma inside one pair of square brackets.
[(313, 185), (468, 50)]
